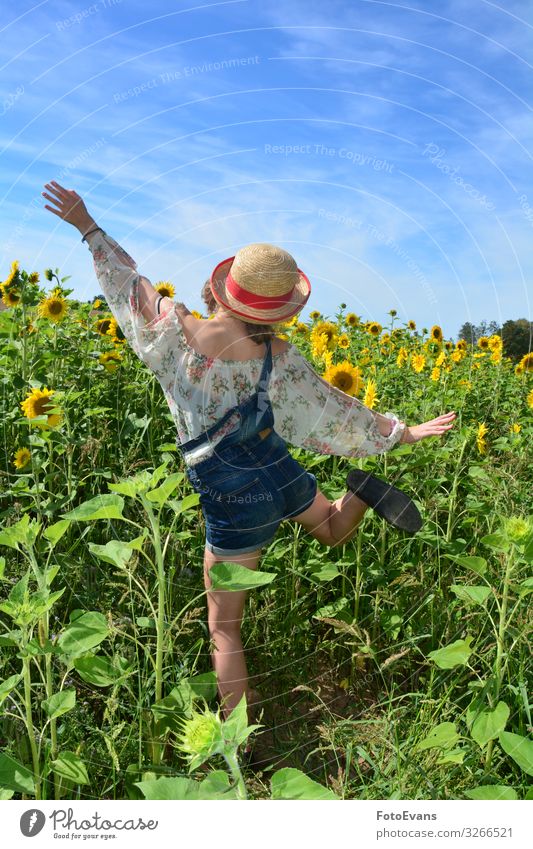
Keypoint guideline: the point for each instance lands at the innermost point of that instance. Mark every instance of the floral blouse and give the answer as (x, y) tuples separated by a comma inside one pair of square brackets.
[(308, 411)]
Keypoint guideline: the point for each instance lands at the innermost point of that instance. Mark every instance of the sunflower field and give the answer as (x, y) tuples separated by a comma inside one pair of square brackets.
[(392, 667)]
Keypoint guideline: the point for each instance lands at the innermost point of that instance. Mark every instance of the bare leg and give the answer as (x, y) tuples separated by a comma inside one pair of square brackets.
[(333, 522), (225, 610)]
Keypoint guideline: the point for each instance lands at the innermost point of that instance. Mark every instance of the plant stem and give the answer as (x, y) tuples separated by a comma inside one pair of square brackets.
[(29, 726), (160, 620), (236, 774), (453, 493)]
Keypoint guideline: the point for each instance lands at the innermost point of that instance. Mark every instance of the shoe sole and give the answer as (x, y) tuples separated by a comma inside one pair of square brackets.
[(394, 506)]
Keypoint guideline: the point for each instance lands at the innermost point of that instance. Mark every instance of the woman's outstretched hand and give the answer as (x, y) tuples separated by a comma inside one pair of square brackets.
[(68, 206), (435, 427)]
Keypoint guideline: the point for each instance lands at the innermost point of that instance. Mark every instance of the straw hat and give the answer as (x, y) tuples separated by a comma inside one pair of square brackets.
[(261, 284)]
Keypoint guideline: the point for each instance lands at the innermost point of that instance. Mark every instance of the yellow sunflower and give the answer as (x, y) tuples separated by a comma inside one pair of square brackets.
[(315, 315), (374, 328), (435, 374), (435, 334), (103, 325), (448, 345), (411, 325), (457, 356), (480, 438), (519, 369), (466, 384), (344, 341), (196, 314), (165, 288), (33, 277), (484, 343), (327, 329), (370, 398), (110, 360), (10, 297), (418, 362), (54, 307), (37, 403), (527, 362), (22, 458), (13, 276), (115, 331), (530, 399), (96, 304), (515, 427), (346, 377), (461, 345), (402, 357), (352, 320), (496, 356), (495, 342), (441, 359), (301, 328)]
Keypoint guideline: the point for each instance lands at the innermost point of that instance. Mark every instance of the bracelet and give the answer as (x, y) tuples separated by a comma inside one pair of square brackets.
[(90, 231)]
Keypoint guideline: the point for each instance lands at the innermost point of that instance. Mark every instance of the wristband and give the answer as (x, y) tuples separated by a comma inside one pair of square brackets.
[(89, 232)]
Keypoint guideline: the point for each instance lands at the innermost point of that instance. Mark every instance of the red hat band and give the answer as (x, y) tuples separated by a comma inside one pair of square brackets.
[(250, 299)]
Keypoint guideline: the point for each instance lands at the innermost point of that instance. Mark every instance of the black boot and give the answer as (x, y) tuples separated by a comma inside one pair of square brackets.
[(390, 503)]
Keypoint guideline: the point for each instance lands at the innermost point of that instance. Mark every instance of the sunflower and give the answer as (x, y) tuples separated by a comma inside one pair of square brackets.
[(13, 276), (346, 377), (448, 345), (457, 356), (110, 360), (352, 320), (96, 304), (495, 342), (22, 458), (327, 329), (196, 314), (393, 313), (484, 343), (435, 374), (461, 345), (10, 297), (301, 328), (165, 288), (441, 359), (201, 736), (319, 344), (103, 325), (418, 362), (411, 325), (344, 341), (370, 398), (466, 383), (515, 427), (527, 362), (315, 315), (530, 399), (374, 328), (436, 333), (54, 307), (480, 438), (33, 277), (496, 356), (37, 403), (402, 357), (115, 331)]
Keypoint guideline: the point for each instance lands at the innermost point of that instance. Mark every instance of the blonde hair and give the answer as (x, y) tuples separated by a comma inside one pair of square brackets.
[(258, 333)]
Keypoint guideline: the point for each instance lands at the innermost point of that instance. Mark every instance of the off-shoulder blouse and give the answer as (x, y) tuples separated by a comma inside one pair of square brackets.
[(308, 411)]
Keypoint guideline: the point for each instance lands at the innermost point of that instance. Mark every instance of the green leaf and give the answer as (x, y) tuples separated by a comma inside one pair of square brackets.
[(443, 736), (454, 756), (215, 786), (470, 594), (69, 765), (161, 493), (18, 533), (185, 504), (59, 703), (289, 783), (475, 564), (497, 541), (235, 577), (5, 795), (99, 671), (203, 686), (327, 572), (54, 532), (107, 506), (519, 748), (15, 777), (8, 685), (84, 633), (488, 724), (115, 552), (456, 654), (2, 568), (492, 792)]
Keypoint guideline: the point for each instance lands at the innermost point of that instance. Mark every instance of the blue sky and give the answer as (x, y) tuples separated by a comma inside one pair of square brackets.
[(387, 146)]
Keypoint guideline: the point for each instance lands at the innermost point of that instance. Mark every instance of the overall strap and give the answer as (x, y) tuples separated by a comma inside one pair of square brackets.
[(264, 377)]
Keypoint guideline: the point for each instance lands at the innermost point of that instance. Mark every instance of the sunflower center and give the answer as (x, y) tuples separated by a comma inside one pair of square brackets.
[(55, 307), (41, 405)]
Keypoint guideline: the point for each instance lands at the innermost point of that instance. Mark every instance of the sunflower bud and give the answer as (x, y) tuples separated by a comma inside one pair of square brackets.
[(48, 273)]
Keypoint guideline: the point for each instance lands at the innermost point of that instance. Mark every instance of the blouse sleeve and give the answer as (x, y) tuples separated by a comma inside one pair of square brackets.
[(318, 416), (157, 342)]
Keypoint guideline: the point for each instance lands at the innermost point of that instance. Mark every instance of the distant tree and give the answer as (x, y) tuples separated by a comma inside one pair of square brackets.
[(472, 332), (517, 338), (468, 333)]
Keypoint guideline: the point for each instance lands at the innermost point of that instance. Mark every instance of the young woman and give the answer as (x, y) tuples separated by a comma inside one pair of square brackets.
[(237, 394)]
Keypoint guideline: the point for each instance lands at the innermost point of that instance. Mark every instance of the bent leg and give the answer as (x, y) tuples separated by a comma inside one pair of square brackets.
[(332, 522), (225, 610)]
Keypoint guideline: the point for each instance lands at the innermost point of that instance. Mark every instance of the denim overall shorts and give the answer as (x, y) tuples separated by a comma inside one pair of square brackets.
[(250, 482)]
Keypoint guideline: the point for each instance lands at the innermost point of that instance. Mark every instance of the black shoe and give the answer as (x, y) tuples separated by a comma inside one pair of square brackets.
[(389, 502)]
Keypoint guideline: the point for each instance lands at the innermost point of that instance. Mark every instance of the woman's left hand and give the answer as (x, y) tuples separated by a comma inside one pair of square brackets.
[(435, 427), (69, 206)]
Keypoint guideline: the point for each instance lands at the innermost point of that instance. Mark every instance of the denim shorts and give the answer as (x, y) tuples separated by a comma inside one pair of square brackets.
[(246, 490)]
